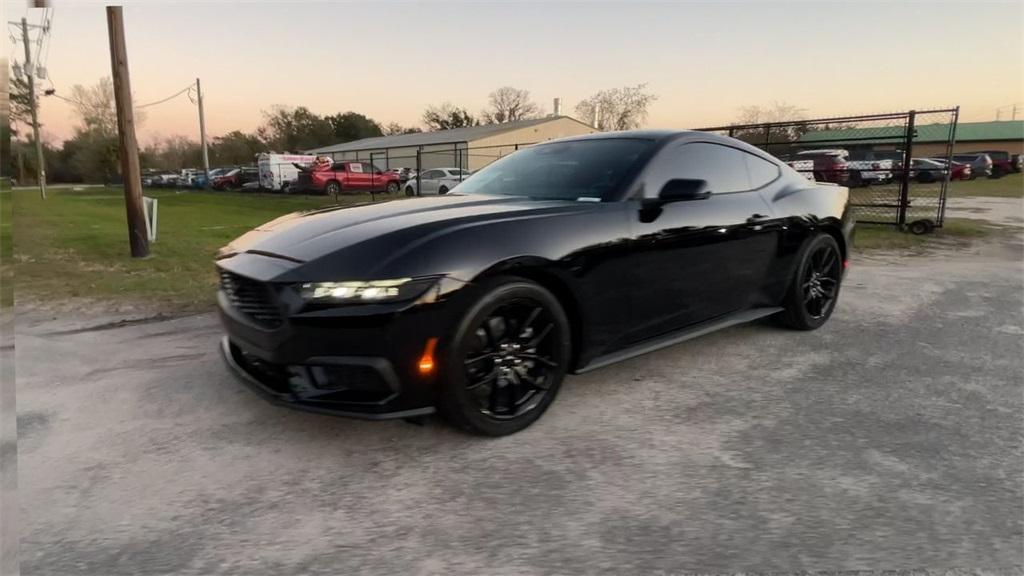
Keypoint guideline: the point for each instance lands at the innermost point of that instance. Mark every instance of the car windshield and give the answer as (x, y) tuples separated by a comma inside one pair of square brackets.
[(590, 169)]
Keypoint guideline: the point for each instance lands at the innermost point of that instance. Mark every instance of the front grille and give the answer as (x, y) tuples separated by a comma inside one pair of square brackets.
[(254, 299)]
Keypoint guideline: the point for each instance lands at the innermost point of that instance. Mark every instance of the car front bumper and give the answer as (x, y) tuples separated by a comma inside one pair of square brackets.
[(360, 361), (272, 392)]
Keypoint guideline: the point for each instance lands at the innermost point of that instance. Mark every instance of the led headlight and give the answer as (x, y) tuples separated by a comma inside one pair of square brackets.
[(368, 291)]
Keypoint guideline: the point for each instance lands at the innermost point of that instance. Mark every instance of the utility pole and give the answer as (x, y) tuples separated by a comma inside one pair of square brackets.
[(1014, 116), (202, 133), (30, 72), (137, 237)]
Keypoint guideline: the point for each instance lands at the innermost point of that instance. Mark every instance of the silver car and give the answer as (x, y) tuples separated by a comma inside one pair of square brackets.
[(436, 181)]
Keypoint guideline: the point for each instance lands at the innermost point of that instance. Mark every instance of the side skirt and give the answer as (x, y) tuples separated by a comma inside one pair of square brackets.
[(678, 336)]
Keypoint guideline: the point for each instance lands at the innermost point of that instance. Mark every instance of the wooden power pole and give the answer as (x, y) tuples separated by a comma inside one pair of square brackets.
[(202, 133), (34, 106), (130, 171)]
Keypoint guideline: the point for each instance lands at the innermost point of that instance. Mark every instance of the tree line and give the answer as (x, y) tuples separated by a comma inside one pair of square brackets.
[(91, 153)]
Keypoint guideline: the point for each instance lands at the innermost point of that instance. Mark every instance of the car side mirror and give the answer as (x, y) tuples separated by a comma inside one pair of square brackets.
[(681, 189)]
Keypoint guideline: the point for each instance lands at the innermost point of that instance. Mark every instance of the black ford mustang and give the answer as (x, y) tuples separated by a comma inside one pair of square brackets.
[(562, 257)]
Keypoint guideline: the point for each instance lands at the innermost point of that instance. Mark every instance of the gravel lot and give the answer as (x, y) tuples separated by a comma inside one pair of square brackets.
[(889, 439)]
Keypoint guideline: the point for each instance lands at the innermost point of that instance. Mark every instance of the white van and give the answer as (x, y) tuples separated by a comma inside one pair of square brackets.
[(277, 171)]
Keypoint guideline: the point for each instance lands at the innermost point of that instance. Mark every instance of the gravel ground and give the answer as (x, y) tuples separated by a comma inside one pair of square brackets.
[(888, 440)]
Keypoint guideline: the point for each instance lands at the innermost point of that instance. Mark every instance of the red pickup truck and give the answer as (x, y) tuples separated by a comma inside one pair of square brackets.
[(347, 176)]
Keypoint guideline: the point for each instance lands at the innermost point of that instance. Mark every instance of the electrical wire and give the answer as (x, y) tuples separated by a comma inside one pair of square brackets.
[(175, 95)]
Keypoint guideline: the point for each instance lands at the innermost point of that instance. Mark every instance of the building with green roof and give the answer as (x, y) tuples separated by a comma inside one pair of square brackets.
[(929, 139)]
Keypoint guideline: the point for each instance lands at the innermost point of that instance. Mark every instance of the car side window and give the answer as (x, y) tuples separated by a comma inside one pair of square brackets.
[(761, 171), (723, 168), (431, 174)]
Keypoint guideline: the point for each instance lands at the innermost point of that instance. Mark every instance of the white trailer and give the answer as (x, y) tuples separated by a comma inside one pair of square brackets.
[(277, 171)]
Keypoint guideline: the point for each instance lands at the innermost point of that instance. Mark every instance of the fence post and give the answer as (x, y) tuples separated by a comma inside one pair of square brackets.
[(373, 178), (950, 141), (908, 154), (419, 168)]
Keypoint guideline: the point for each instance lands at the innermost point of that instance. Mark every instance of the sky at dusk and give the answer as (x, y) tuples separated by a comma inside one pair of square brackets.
[(390, 60)]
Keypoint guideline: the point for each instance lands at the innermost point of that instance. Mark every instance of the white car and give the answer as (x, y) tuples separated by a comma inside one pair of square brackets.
[(436, 181)]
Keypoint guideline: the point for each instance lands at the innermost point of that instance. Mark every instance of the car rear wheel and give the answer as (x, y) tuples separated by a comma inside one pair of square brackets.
[(332, 188), (814, 289), (507, 359), (393, 188), (442, 190)]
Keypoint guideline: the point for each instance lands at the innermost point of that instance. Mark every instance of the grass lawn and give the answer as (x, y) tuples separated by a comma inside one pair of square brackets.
[(883, 237), (75, 243), (1009, 186)]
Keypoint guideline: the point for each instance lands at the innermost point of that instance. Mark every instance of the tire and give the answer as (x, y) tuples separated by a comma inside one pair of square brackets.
[(442, 190), (925, 177), (997, 172), (506, 361), (919, 227), (819, 266), (409, 191), (332, 188), (393, 188)]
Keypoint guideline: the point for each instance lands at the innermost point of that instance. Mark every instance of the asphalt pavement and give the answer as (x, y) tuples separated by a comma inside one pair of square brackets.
[(890, 439)]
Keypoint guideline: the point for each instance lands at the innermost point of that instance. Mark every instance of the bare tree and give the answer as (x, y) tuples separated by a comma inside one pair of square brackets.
[(447, 116), (95, 107), (508, 104), (776, 112), (393, 128), (617, 109)]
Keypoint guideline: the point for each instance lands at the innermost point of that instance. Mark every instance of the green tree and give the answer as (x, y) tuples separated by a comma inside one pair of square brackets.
[(21, 110), (295, 129), (447, 116), (353, 126), (235, 148)]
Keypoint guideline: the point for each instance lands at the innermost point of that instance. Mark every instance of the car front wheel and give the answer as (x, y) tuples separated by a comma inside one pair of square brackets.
[(393, 188), (507, 359), (814, 289), (332, 189)]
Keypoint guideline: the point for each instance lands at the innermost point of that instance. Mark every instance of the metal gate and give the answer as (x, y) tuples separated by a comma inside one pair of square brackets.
[(898, 166)]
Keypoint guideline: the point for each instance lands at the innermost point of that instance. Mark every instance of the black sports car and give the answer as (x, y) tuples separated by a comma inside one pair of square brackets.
[(562, 257)]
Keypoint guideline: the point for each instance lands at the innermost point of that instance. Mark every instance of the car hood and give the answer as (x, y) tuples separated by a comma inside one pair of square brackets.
[(386, 229)]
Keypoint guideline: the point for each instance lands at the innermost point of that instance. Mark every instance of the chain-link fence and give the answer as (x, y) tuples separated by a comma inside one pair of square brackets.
[(897, 166)]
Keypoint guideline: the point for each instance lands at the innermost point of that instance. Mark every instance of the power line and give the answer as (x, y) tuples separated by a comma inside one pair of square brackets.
[(175, 95)]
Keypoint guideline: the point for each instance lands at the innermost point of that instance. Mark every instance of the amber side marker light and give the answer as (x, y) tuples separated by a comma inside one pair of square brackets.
[(426, 364)]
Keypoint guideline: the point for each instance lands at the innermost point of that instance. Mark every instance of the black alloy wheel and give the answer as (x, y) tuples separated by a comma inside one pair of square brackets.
[(815, 289), (508, 359)]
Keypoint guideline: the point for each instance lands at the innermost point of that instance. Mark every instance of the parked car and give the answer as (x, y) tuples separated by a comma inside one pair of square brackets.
[(874, 166), (236, 178), (1018, 162), (347, 176), (961, 171), (835, 165), (404, 174), (436, 181), (1002, 162), (926, 170), (562, 257), (981, 164)]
